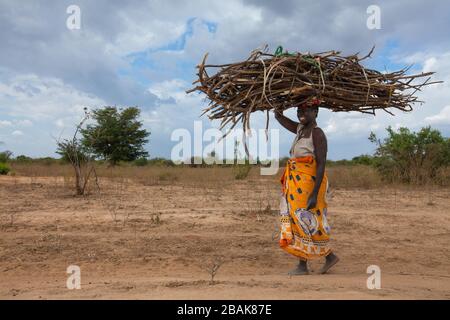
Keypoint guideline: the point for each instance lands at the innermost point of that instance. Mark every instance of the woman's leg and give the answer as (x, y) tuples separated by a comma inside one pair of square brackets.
[(330, 260), (301, 269)]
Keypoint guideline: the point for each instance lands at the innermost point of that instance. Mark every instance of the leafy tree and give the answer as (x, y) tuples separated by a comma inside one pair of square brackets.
[(5, 156), (409, 156), (117, 135), (23, 158)]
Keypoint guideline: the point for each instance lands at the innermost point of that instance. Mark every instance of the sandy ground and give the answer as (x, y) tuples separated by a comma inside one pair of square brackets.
[(157, 241)]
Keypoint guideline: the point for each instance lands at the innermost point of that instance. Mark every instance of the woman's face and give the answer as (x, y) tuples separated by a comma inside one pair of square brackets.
[(306, 115)]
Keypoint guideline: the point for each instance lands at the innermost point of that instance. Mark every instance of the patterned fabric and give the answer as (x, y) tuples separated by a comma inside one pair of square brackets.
[(305, 234)]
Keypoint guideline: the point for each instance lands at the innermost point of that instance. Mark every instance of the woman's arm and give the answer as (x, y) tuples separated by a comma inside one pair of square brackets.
[(320, 151), (286, 122)]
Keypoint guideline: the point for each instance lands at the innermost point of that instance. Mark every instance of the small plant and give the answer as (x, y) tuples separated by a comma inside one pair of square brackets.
[(167, 176), (4, 169), (116, 205), (156, 218), (80, 158), (241, 171), (213, 268)]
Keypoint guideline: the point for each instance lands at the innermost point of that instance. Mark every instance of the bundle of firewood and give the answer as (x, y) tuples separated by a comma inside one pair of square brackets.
[(280, 81)]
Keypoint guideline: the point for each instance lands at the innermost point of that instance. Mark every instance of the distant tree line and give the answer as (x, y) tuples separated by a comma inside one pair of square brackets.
[(116, 137)]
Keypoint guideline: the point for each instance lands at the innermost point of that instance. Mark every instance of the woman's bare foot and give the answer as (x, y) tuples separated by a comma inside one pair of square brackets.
[(330, 261), (302, 269)]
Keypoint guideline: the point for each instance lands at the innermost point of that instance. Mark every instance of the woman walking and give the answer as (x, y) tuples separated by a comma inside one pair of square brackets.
[(303, 209)]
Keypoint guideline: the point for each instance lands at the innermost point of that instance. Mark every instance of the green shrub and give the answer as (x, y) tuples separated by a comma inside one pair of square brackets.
[(141, 162), (5, 156), (364, 159), (159, 162), (23, 159), (4, 168), (241, 171), (411, 157), (167, 176)]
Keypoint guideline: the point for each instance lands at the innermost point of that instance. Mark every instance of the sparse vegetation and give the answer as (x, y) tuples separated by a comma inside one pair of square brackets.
[(213, 268), (241, 171), (79, 157), (4, 168), (5, 156), (411, 157)]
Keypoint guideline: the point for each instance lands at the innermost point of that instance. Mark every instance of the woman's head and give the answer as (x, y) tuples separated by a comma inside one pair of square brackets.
[(307, 114)]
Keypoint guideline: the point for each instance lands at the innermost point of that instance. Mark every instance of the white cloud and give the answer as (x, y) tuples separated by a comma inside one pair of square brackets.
[(142, 31), (436, 109), (29, 96), (24, 123), (443, 117), (60, 123), (5, 123), (180, 111), (173, 88), (340, 124), (17, 133)]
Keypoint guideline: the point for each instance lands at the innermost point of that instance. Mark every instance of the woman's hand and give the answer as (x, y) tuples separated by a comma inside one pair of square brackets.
[(312, 201)]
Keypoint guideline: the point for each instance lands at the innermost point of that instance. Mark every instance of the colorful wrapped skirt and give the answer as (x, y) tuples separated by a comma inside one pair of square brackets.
[(304, 234)]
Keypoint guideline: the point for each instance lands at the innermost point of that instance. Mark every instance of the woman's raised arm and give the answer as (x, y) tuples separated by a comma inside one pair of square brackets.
[(286, 122)]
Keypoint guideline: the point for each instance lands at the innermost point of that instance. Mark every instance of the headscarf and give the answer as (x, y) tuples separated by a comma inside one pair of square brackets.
[(312, 102)]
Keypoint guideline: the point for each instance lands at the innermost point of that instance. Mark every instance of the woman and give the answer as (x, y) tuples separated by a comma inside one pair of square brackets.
[(304, 228)]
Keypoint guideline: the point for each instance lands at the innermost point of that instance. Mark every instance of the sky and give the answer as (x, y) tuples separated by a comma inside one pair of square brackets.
[(144, 53)]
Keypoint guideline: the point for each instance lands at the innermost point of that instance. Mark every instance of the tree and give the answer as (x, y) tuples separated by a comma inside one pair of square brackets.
[(5, 156), (409, 156), (116, 135), (79, 157)]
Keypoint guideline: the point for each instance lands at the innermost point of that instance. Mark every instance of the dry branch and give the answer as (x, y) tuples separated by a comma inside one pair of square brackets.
[(266, 82)]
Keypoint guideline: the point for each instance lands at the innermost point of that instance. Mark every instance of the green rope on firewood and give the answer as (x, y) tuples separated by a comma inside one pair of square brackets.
[(308, 58), (279, 52)]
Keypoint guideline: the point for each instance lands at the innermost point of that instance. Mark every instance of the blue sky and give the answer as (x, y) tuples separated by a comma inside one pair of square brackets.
[(144, 53)]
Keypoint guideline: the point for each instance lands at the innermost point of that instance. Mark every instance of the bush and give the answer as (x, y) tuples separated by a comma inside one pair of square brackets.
[(363, 159), (411, 157), (141, 162), (5, 156), (48, 161), (23, 159), (167, 176), (241, 171), (161, 162), (4, 168)]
